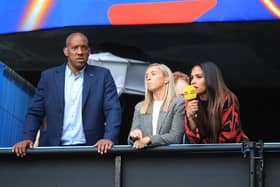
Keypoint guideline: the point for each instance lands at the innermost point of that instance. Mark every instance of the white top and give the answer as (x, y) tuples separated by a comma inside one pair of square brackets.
[(156, 109)]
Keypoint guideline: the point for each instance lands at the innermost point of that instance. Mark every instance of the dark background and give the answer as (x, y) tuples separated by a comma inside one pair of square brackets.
[(246, 52)]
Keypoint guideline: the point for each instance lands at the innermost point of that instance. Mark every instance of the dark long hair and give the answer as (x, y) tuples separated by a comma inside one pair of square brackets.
[(217, 91)]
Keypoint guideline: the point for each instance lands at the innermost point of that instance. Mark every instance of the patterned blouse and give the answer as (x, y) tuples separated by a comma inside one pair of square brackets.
[(231, 130)]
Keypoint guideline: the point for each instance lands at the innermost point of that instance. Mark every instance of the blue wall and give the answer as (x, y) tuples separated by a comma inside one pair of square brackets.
[(15, 97)]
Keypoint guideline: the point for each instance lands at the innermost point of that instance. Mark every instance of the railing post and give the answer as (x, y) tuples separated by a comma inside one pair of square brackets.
[(118, 170), (259, 164), (255, 151)]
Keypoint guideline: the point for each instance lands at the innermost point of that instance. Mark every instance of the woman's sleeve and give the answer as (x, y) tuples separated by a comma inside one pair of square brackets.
[(193, 136), (231, 130), (135, 122)]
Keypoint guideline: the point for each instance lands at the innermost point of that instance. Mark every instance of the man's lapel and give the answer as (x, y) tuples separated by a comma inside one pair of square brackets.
[(60, 82), (88, 81)]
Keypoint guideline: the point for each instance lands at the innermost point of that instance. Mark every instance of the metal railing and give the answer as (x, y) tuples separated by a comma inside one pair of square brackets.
[(249, 164)]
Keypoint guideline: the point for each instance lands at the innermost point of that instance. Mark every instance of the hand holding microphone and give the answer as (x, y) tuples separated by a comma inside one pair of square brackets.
[(191, 103)]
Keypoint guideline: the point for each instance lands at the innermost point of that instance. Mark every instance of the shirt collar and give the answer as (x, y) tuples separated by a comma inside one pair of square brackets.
[(69, 73)]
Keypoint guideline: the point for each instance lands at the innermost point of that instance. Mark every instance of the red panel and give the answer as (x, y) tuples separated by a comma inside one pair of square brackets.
[(160, 12)]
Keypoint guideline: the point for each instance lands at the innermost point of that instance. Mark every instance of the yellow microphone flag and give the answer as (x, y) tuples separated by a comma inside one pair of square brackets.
[(189, 92)]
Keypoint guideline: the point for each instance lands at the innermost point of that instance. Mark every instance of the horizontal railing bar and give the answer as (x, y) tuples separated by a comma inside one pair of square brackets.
[(124, 149)]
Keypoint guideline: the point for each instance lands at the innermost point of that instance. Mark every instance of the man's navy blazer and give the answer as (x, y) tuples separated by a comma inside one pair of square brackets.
[(101, 110)]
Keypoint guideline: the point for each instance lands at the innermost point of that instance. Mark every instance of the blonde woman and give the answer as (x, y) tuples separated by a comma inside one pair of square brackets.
[(159, 119)]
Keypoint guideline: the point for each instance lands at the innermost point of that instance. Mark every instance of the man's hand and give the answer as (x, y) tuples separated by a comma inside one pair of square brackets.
[(20, 147), (103, 146)]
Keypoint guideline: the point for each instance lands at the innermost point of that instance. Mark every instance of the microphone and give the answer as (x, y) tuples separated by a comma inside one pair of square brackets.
[(189, 94)]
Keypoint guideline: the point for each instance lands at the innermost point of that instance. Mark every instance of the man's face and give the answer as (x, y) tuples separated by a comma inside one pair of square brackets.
[(77, 51), (179, 87)]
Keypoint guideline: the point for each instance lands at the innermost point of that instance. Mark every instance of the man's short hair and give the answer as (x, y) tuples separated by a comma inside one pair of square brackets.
[(180, 75)]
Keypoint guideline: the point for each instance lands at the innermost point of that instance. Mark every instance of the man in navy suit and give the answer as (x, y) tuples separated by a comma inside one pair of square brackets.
[(78, 101)]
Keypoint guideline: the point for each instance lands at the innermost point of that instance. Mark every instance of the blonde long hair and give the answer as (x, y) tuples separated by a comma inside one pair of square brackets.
[(169, 94)]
